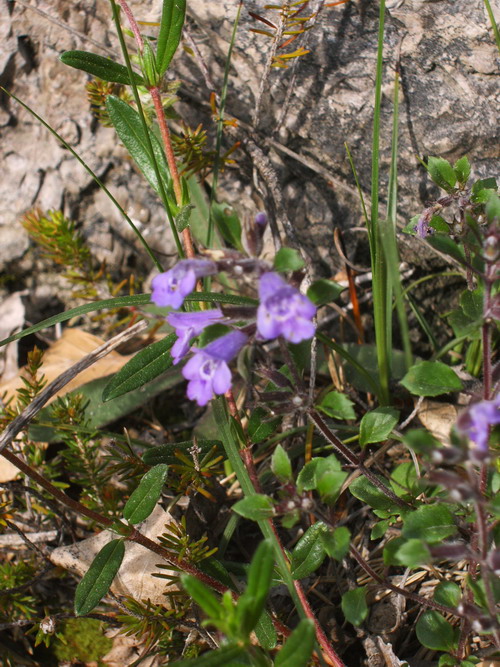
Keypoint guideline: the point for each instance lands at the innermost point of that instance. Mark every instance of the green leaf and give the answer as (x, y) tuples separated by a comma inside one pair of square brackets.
[(404, 480), (365, 491), (298, 647), (266, 632), (182, 218), (421, 441), (447, 593), (439, 224), (462, 170), (337, 406), (442, 173), (472, 303), (145, 366), (251, 603), (306, 479), (166, 453), (281, 465), (260, 426), (336, 542), (430, 523), (203, 596), (377, 425), (329, 479), (434, 632), (128, 126), (431, 378), (323, 474), (379, 529), (147, 60), (288, 259), (446, 245), (102, 68), (221, 656), (354, 605), (143, 500), (125, 302), (255, 507), (169, 36), (324, 291), (211, 333), (493, 207), (309, 552), (228, 224), (408, 553), (99, 577)]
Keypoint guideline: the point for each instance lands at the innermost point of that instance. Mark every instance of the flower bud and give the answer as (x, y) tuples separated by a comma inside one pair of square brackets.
[(493, 561), (491, 248), (447, 455), (450, 551)]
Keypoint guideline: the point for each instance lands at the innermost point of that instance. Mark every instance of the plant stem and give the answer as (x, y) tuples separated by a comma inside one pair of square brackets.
[(339, 446), (161, 187), (172, 164), (247, 479), (381, 283)]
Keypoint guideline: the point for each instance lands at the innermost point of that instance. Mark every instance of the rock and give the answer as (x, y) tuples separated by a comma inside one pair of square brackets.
[(448, 106)]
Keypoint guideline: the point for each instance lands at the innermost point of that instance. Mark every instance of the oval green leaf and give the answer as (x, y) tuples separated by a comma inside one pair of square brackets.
[(429, 523), (298, 647), (309, 551), (324, 291), (431, 378), (377, 425), (255, 507), (434, 632), (143, 500), (354, 605), (99, 577), (101, 67), (147, 365), (288, 259)]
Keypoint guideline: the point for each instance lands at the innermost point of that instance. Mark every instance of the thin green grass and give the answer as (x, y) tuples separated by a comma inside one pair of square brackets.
[(494, 25)]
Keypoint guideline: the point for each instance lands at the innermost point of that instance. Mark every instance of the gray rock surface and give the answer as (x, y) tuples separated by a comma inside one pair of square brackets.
[(449, 106)]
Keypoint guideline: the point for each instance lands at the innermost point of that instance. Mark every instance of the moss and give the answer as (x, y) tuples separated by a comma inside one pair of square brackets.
[(85, 641)]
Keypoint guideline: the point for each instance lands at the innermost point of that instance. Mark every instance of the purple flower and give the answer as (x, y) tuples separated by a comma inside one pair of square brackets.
[(189, 325), (475, 423), (261, 219), (207, 370), (283, 310), (170, 288)]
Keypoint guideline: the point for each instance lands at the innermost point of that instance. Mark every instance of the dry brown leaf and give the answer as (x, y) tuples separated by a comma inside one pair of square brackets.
[(438, 418), (135, 576), (8, 471), (126, 651), (64, 352)]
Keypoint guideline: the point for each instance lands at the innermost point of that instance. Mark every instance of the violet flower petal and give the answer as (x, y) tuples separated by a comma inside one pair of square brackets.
[(189, 325), (283, 310), (207, 370), (171, 288)]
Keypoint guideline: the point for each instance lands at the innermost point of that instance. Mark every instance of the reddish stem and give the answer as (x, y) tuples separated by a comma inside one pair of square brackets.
[(133, 24)]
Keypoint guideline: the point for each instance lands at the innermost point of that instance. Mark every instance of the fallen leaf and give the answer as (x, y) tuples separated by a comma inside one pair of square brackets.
[(64, 352), (135, 576), (438, 418)]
